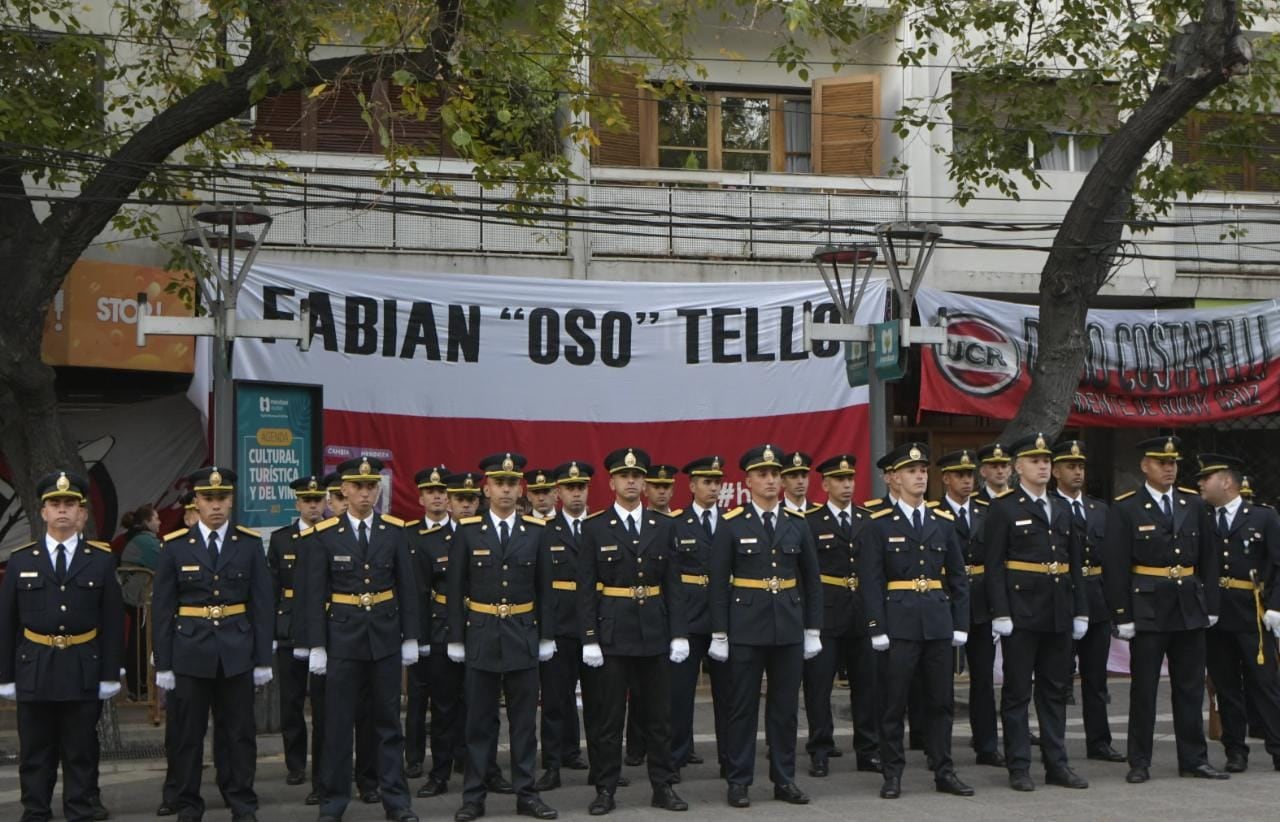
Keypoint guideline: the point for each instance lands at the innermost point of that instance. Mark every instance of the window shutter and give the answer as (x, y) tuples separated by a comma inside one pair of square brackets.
[(620, 143), (279, 121), (846, 127), (340, 126)]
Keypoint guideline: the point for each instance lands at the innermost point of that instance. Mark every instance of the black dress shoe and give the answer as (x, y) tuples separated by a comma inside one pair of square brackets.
[(891, 789), (675, 777), (498, 784), (623, 782), (666, 798), (1021, 781), (950, 783), (1035, 739), (98, 810), (788, 792), (694, 759), (432, 787), (402, 815), (871, 765), (1137, 774), (575, 763), (536, 808), (1064, 777), (413, 770), (633, 760), (371, 797), (1204, 771), (738, 796), (993, 758), (313, 798), (1237, 764), (295, 778), (819, 768), (602, 804), (469, 812), (166, 809), (835, 753), (1106, 753), (549, 781)]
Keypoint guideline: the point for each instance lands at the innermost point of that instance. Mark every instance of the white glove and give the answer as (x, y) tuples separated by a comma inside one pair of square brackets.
[(880, 642), (546, 649), (679, 650), (424, 650), (1079, 627), (812, 642), (318, 661), (275, 646), (106, 690), (592, 656), (719, 648), (1126, 630), (959, 638), (408, 652), (1213, 620), (301, 654), (9, 690), (457, 652), (1271, 619), (1001, 626), (166, 681), (261, 676)]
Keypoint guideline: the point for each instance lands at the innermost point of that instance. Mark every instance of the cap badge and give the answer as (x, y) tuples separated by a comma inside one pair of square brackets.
[(715, 463), (313, 485), (63, 483), (997, 452), (915, 454), (964, 458), (365, 467), (630, 459), (1169, 447), (768, 454), (540, 479), (508, 464), (1075, 448), (844, 465), (573, 470), (796, 460), (469, 482), (662, 473), (1040, 441), (215, 477), (435, 475)]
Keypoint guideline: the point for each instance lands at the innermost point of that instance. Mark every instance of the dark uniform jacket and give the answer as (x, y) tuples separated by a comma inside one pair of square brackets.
[(87, 599), (429, 545), (612, 558), (338, 565), (972, 538), (186, 576), (894, 551), (693, 559), (839, 554), (482, 571), (562, 550), (742, 549), (1138, 533), (1249, 551), (1095, 535), (283, 558), (1017, 531)]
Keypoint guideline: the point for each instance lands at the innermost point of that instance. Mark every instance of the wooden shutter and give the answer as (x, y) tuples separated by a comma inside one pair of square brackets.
[(630, 143), (846, 125), (279, 121)]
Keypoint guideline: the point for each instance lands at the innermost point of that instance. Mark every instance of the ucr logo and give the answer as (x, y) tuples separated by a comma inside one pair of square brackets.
[(980, 358)]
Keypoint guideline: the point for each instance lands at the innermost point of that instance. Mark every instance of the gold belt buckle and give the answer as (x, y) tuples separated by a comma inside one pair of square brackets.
[(922, 585), (215, 611), (366, 600), (61, 642), (1175, 571), (853, 582), (1224, 582), (504, 610), (1053, 567), (774, 584), (638, 593)]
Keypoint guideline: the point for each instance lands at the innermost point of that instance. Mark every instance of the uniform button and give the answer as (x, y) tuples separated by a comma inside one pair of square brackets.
[(1177, 550), (62, 627), (640, 573), (215, 593), (215, 623), (1226, 553), (504, 583), (62, 607), (774, 564), (366, 566), (215, 577), (922, 562), (63, 587), (366, 580), (504, 567)]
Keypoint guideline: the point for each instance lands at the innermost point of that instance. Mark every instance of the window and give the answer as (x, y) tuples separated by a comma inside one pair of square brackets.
[(1068, 153), (732, 131), (1235, 168)]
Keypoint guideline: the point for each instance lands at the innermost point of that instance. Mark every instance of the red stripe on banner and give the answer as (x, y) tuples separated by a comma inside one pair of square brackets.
[(413, 443)]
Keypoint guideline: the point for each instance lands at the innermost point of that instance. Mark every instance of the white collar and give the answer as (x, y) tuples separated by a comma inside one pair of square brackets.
[(51, 545), (205, 531), (698, 509), (355, 523), (623, 513), (1035, 498), (775, 510), (991, 492), (957, 506), (510, 520), (1232, 507), (803, 505), (1079, 498), (435, 523), (907, 509), (1156, 495), (838, 511)]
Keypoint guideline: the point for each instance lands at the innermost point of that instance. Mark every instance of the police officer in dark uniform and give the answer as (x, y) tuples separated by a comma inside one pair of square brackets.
[(540, 490), (1038, 607), (1092, 651), (795, 481), (766, 618), (995, 471), (61, 647), (838, 528), (560, 674), (363, 624), (169, 789), (283, 560), (916, 596), (1160, 562), (1241, 648), (501, 626), (434, 498), (695, 531), (213, 614), (632, 621)]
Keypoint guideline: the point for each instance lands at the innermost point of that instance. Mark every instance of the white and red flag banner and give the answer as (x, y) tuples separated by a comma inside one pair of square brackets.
[(422, 368), (1142, 368)]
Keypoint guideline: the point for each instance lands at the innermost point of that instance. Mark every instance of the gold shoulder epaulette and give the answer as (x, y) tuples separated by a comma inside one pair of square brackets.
[(429, 530), (735, 512), (305, 532), (328, 523), (793, 512), (867, 503), (883, 512), (866, 511), (413, 523), (933, 503), (1125, 495), (470, 520), (248, 531), (1006, 492), (947, 515), (100, 545), (390, 520), (181, 532), (975, 494), (596, 514), (532, 520), (814, 508), (675, 513), (1191, 491), (977, 500)]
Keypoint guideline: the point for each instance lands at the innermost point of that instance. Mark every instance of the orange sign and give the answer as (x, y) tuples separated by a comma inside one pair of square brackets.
[(92, 320)]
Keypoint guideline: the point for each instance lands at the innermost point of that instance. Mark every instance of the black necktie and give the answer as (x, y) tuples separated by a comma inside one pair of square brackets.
[(1044, 508), (768, 523), (60, 563), (213, 546), (844, 522), (504, 533), (631, 526), (706, 523), (1078, 511), (1223, 525), (363, 536), (1167, 506), (962, 514), (577, 529), (917, 520)]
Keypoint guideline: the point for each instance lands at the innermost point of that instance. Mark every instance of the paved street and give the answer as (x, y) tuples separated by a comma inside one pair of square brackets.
[(132, 789)]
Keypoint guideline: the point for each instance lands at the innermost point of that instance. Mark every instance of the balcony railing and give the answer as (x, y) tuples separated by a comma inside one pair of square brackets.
[(1238, 237)]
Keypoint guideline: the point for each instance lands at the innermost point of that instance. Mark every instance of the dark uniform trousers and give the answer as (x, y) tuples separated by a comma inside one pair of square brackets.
[(1037, 655), (561, 732), (980, 656), (447, 714), (292, 674), (1250, 550), (634, 636), (57, 689), (363, 648), (226, 697), (844, 641), (417, 702), (1094, 649), (693, 555), (1169, 613), (501, 647), (766, 631), (919, 625)]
